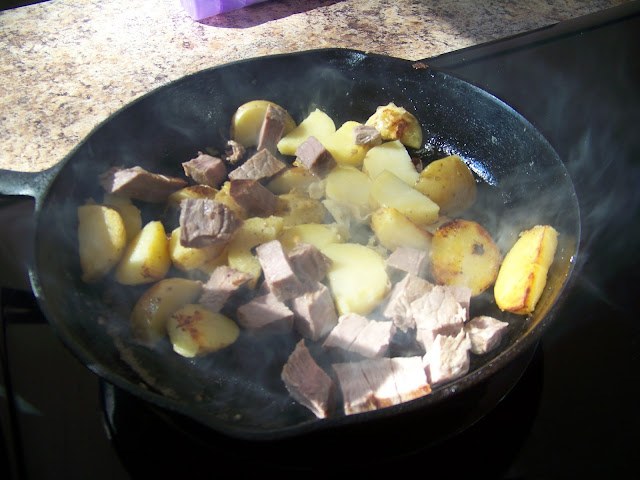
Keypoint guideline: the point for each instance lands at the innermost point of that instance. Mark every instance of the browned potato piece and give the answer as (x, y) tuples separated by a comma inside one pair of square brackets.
[(151, 311), (131, 215), (195, 331), (187, 258), (146, 258), (395, 230), (395, 123), (463, 253), (523, 273), (297, 208), (294, 178), (449, 183), (102, 240)]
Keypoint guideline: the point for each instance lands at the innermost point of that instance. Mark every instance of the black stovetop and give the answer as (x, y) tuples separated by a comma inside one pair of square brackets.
[(573, 414)]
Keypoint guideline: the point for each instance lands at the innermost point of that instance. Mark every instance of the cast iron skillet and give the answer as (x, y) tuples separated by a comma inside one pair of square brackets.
[(237, 392)]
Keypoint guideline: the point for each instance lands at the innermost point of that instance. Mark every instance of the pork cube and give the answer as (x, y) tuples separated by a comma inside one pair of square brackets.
[(405, 260), (314, 312), (278, 273), (346, 331), (254, 197), (206, 222), (317, 159), (374, 339), (223, 283), (206, 170), (307, 383), (272, 128), (448, 358), (485, 333), (437, 312), (366, 135), (265, 314), (309, 263), (260, 166), (403, 293), (139, 184), (410, 377)]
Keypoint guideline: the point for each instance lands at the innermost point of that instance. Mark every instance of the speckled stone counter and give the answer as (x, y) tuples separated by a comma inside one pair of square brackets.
[(66, 65)]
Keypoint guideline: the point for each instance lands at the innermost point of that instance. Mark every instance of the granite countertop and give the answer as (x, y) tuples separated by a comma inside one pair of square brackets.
[(66, 65)]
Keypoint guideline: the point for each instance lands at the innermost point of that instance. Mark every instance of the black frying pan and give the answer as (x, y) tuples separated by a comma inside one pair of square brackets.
[(237, 392)]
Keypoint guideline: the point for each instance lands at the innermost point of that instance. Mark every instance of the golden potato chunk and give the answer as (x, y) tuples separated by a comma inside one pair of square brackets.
[(187, 258), (247, 120), (388, 190), (192, 191), (349, 185), (195, 331), (146, 258), (523, 273), (294, 178), (317, 124), (392, 156), (296, 208), (102, 238), (151, 311), (131, 215), (316, 234), (394, 230), (449, 183), (463, 253), (395, 123), (357, 277), (341, 145)]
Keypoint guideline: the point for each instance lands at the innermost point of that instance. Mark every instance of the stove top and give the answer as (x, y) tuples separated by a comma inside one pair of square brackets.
[(573, 413)]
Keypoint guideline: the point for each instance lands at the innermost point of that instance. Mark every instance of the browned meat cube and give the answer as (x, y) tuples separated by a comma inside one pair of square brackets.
[(374, 339), (265, 314), (314, 312), (317, 159), (223, 283), (272, 128), (437, 312), (206, 170), (366, 135), (234, 152), (405, 260), (206, 222), (345, 332), (307, 383), (485, 333), (278, 274), (410, 377), (448, 357), (309, 263), (403, 293), (139, 184), (261, 165), (254, 197)]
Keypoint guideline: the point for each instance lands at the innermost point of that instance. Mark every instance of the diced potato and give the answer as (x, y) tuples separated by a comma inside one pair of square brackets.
[(224, 196), (210, 265), (357, 277), (146, 258), (192, 191), (464, 253), (349, 184), (391, 156), (187, 258), (247, 120), (317, 124), (523, 274), (395, 123), (294, 178), (151, 311), (253, 232), (296, 208), (102, 238), (387, 190), (131, 215), (316, 234), (449, 183), (395, 230), (195, 331), (341, 145)]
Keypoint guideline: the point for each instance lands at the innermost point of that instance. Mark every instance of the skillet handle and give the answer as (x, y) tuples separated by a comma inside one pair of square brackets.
[(30, 184)]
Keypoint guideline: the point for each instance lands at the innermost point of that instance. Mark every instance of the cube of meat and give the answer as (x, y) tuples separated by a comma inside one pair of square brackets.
[(485, 333), (206, 222), (403, 293), (381, 382), (278, 273), (261, 165), (272, 128), (448, 358), (206, 170), (405, 260), (437, 312), (357, 334), (139, 184), (265, 314), (307, 383), (315, 157), (254, 197), (314, 312), (366, 135), (223, 283), (309, 263), (345, 332)]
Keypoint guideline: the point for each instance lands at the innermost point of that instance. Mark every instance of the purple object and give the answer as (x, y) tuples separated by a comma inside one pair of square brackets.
[(199, 9)]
